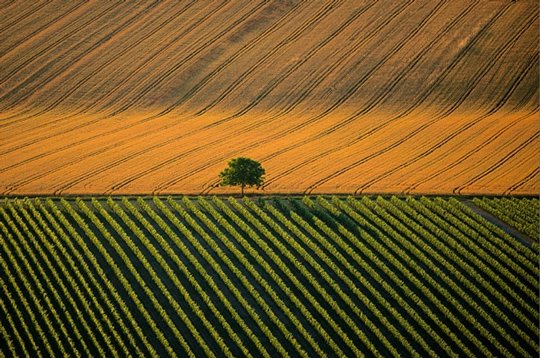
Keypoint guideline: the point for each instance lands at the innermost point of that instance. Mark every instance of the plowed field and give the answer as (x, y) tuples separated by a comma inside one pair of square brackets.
[(330, 96)]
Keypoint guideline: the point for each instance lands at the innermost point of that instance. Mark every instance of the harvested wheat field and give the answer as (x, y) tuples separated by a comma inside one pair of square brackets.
[(330, 96)]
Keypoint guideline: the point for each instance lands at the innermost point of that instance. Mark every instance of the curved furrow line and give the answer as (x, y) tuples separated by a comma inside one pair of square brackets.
[(428, 91), (532, 65), (156, 81), (65, 94), (40, 29), (50, 47), (118, 86), (138, 69), (174, 41), (80, 142), (386, 91), (307, 25), (278, 80), (377, 66), (529, 177), (456, 61), (69, 91), (326, 112), (464, 157), (172, 160), (22, 16), (424, 154), (351, 52), (103, 40), (220, 159), (317, 78), (368, 75), (454, 134), (499, 54), (532, 94), (534, 138), (30, 112), (87, 123), (383, 94), (236, 55), (202, 83), (93, 153)]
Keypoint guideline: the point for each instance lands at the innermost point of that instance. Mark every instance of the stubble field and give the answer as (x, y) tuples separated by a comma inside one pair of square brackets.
[(331, 96)]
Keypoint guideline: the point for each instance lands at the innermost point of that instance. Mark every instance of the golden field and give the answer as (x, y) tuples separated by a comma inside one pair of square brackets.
[(425, 96)]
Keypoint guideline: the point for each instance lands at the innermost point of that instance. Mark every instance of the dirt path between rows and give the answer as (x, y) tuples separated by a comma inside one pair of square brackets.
[(499, 223)]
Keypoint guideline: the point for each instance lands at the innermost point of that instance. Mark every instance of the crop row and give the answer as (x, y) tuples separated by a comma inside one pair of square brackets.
[(519, 213), (290, 277)]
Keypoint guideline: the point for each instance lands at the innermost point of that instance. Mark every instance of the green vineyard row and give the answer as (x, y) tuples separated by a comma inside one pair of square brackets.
[(266, 277)]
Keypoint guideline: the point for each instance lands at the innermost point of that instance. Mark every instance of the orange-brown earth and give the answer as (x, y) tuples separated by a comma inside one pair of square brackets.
[(331, 96)]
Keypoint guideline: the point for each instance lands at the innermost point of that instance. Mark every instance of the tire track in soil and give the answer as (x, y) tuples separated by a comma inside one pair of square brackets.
[(22, 17), (42, 155), (167, 74), (201, 84), (245, 129), (529, 177), (268, 139), (386, 92), (222, 33), (381, 96), (118, 86), (104, 39), (76, 128), (40, 29), (309, 121), (467, 155), (116, 144), (138, 69), (306, 26), (500, 162), (224, 4), (426, 93), (50, 47), (477, 149), (267, 90), (88, 123), (34, 141), (29, 113), (424, 154), (348, 22), (67, 93), (333, 35)]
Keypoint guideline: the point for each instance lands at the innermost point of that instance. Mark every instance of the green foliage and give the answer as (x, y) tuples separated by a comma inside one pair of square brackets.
[(244, 172), (262, 278)]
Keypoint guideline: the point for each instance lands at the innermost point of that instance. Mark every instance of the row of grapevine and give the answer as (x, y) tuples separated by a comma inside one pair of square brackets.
[(519, 213), (261, 278)]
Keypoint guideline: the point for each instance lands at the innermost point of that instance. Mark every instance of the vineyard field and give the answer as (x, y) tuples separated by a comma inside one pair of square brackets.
[(332, 97), (268, 276)]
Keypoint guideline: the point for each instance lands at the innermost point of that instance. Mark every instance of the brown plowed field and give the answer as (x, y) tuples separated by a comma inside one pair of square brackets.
[(331, 96)]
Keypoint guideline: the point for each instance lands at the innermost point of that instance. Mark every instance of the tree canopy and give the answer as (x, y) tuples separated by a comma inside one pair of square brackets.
[(244, 172)]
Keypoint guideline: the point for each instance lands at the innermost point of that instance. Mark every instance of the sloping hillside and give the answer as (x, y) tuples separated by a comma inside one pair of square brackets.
[(331, 96)]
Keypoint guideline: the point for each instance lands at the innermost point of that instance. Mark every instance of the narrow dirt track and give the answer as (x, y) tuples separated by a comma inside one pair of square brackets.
[(331, 96)]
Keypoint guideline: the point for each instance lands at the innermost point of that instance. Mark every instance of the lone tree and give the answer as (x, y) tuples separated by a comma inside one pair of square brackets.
[(244, 172)]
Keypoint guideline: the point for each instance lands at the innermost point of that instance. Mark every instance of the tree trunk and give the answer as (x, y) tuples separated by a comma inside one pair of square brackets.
[(242, 186)]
